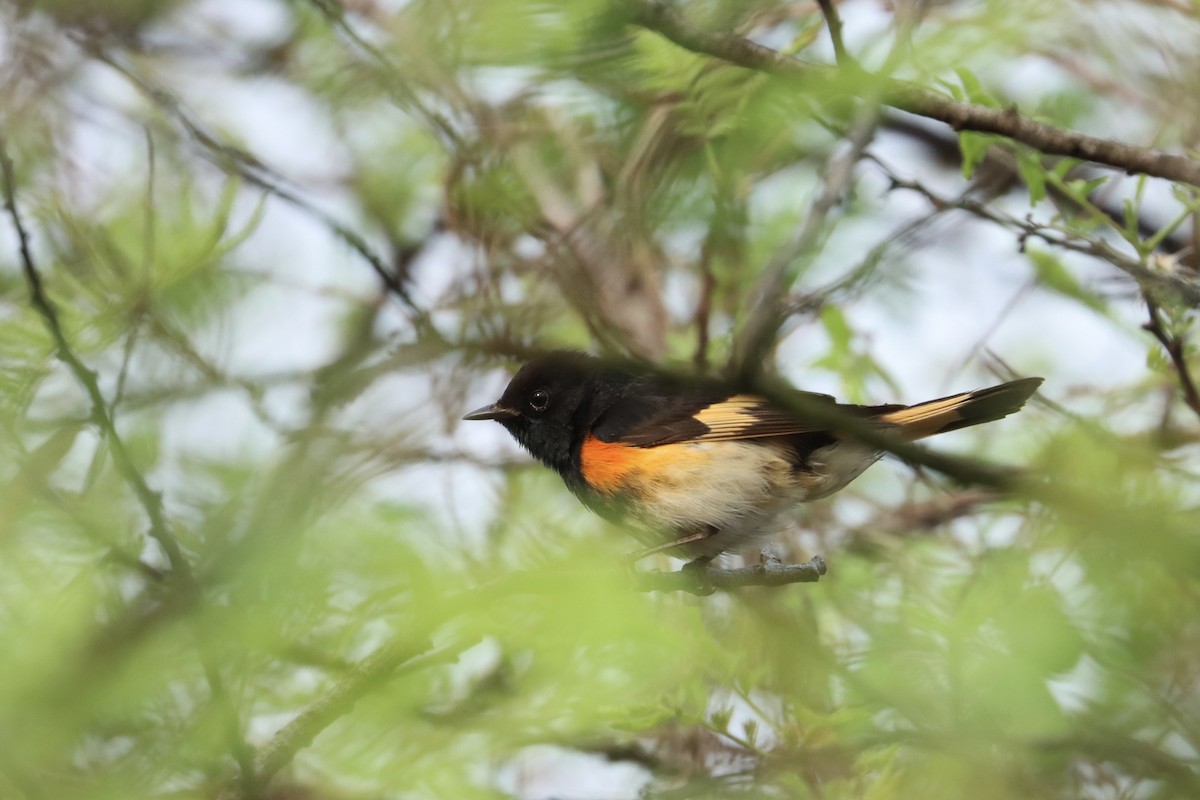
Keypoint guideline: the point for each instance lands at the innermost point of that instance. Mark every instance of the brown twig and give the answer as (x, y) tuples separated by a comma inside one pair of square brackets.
[(657, 16), (833, 22), (1188, 290), (1176, 349), (766, 310)]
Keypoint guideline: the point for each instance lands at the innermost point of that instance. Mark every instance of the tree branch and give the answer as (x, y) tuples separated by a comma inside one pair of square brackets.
[(834, 23), (150, 499), (657, 16), (1188, 290), (767, 309), (389, 661), (230, 158), (772, 573), (335, 13), (1176, 351)]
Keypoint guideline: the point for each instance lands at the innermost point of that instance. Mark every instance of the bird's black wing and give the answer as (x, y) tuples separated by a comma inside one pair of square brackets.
[(649, 418)]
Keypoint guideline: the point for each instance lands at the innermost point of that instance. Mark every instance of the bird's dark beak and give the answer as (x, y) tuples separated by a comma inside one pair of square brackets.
[(494, 411)]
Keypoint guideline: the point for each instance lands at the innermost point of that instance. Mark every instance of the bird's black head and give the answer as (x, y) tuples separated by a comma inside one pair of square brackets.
[(545, 406)]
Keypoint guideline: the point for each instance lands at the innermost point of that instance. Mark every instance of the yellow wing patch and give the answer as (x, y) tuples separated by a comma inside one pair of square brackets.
[(747, 416)]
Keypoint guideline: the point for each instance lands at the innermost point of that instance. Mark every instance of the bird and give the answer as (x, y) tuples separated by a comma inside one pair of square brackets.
[(695, 467)]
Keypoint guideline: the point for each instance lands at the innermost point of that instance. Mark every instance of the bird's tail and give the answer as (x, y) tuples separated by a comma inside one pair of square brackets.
[(962, 410)]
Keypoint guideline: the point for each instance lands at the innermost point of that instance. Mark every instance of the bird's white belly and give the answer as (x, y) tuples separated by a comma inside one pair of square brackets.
[(739, 490)]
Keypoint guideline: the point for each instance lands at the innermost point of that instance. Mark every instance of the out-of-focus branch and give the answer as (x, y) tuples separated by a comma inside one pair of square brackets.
[(892, 525), (335, 14), (767, 309), (231, 158), (614, 276), (962, 470), (834, 23), (388, 662), (1188, 290), (657, 16), (150, 499)]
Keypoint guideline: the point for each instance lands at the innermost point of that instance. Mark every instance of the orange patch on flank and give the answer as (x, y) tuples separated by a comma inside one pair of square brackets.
[(612, 468), (605, 465)]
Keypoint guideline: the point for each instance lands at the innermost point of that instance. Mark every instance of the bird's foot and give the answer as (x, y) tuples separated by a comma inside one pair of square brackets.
[(696, 571)]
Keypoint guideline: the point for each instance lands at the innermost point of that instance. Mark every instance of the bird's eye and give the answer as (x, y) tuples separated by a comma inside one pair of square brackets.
[(539, 400)]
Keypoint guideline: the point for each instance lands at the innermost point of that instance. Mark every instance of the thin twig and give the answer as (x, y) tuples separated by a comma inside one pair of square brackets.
[(1188, 290), (1176, 349), (767, 308), (229, 157), (834, 23), (335, 14), (389, 661), (657, 16), (150, 499)]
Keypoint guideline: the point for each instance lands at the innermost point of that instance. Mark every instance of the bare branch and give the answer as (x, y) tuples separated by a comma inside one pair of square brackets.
[(655, 15), (772, 573)]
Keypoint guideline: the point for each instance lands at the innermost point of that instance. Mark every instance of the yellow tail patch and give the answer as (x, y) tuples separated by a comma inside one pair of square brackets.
[(963, 409), (926, 419)]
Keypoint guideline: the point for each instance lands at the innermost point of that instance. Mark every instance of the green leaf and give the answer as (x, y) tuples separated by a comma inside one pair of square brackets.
[(1081, 190), (1052, 274), (1130, 216), (1029, 165), (1064, 166), (973, 147), (837, 328), (974, 89)]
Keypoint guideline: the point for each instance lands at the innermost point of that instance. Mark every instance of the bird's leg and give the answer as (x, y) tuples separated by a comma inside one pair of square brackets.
[(697, 568), (700, 536)]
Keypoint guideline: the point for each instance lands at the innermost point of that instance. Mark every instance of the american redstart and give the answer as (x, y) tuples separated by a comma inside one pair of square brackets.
[(698, 467)]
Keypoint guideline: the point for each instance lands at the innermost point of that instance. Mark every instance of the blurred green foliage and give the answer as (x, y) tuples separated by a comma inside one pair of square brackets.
[(344, 625)]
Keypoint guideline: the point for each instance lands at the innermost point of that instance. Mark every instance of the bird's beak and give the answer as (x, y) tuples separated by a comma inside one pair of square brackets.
[(494, 411)]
